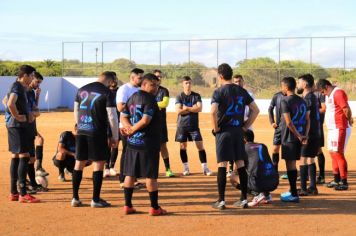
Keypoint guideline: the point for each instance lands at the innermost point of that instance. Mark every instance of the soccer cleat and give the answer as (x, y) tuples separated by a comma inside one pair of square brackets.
[(186, 172), (157, 212), (106, 173), (31, 190), (113, 172), (207, 172), (14, 197), (241, 204), (100, 204), (76, 203), (302, 192), (220, 205), (332, 184), (257, 200), (341, 187), (61, 178), (320, 180), (40, 188), (129, 210), (28, 199), (290, 198), (267, 200), (169, 173), (285, 176), (41, 172)]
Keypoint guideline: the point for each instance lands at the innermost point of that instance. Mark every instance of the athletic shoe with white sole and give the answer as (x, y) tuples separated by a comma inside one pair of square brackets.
[(169, 173), (186, 172), (61, 178), (207, 172), (332, 184), (241, 204), (100, 204), (290, 198), (285, 176), (113, 172), (268, 199), (257, 200), (106, 173), (76, 203), (41, 172), (220, 205), (28, 199), (341, 187)]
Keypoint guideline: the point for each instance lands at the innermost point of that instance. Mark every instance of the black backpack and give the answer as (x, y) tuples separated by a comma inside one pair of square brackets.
[(262, 175)]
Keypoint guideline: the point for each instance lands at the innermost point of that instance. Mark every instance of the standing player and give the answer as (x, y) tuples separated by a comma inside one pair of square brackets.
[(162, 99), (227, 117), (338, 120), (110, 162), (188, 106), (295, 117), (94, 113), (321, 157), (17, 121), (275, 122), (141, 122), (310, 150), (122, 96)]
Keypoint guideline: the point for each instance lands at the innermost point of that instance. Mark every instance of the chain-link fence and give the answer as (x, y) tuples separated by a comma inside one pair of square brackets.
[(262, 61)]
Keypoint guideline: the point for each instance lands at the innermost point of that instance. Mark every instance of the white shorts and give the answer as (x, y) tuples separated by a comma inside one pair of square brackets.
[(337, 139)]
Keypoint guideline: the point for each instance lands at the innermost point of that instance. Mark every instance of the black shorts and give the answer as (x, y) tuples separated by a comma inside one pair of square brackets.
[(141, 163), (230, 145), (19, 140), (311, 148), (94, 148), (291, 151), (185, 134), (164, 133), (277, 138), (69, 162)]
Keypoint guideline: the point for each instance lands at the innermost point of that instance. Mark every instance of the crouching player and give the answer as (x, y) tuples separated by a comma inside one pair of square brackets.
[(141, 123)]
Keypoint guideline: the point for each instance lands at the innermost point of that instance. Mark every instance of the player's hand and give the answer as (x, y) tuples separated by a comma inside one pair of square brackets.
[(113, 143), (123, 131), (215, 131), (21, 118), (305, 140), (351, 121), (274, 125), (31, 117), (38, 91)]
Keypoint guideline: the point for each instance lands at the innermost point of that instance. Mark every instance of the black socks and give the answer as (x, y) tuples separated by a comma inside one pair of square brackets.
[(76, 179), (113, 157), (39, 156), (221, 179), (13, 174), (312, 175), (183, 156), (22, 173), (292, 178), (321, 162), (166, 163), (128, 196), (337, 177), (202, 156), (243, 182), (97, 183), (275, 160), (32, 174), (303, 170), (154, 199)]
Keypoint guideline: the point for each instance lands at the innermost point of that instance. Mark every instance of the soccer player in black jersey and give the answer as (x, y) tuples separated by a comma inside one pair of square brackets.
[(95, 113), (141, 125), (188, 106), (310, 150), (227, 117), (162, 98), (295, 117), (18, 117), (321, 158)]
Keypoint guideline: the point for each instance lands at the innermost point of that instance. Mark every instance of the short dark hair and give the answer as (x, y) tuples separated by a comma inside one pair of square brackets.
[(307, 78), (290, 83), (109, 75), (25, 70), (225, 70), (322, 84), (150, 77), (238, 76), (249, 136), (186, 78), (137, 71), (38, 76), (157, 71)]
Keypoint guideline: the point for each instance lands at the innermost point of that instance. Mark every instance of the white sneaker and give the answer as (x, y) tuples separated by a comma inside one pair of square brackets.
[(76, 203), (228, 174), (267, 200), (113, 172), (186, 172), (106, 173), (207, 172), (257, 200)]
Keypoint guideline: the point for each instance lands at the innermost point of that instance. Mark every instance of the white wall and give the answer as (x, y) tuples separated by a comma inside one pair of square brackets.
[(62, 92)]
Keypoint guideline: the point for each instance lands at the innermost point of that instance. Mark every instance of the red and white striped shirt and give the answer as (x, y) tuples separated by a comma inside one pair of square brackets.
[(334, 115)]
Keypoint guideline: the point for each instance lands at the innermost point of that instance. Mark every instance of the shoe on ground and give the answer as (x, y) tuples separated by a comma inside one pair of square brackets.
[(220, 205), (285, 194), (186, 172), (285, 176), (31, 190), (67, 172), (100, 204), (139, 185), (341, 187), (313, 191), (169, 173), (157, 212), (332, 184), (28, 199), (122, 185), (41, 172), (61, 178), (302, 192), (257, 200), (268, 200), (106, 173), (14, 197), (76, 203), (241, 204), (320, 180), (40, 188), (207, 172), (290, 198), (229, 173), (113, 172), (129, 210)]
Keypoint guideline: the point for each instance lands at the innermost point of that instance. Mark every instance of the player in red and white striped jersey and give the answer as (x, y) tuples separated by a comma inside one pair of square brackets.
[(338, 120)]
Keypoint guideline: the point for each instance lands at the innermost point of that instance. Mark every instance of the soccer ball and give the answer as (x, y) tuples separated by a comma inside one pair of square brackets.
[(43, 181)]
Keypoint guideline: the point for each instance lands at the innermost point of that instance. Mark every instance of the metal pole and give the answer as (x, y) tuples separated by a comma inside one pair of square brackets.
[(130, 51), (246, 49), (102, 56), (189, 57), (217, 52), (62, 58), (160, 54), (96, 61), (82, 58), (279, 60), (311, 55), (344, 55)]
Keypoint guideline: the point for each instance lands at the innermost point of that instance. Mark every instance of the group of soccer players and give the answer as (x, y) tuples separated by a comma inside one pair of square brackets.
[(135, 113)]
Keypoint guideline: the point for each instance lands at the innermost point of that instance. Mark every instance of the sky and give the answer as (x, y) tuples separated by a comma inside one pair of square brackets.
[(35, 30)]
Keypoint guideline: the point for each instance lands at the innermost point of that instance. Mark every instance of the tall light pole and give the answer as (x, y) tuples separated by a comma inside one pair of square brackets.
[(96, 61)]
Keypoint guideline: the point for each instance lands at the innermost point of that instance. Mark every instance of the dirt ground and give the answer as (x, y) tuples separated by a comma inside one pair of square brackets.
[(187, 199)]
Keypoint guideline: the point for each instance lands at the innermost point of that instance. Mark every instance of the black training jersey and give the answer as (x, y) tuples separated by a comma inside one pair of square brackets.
[(313, 106), (21, 105), (113, 96), (276, 107), (321, 99), (67, 138), (93, 99), (231, 100), (297, 108), (191, 119), (142, 104), (31, 98), (162, 92)]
